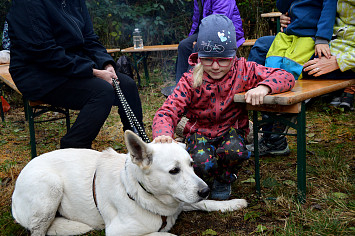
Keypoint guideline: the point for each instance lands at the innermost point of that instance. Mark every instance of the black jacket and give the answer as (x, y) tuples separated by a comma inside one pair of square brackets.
[(52, 41)]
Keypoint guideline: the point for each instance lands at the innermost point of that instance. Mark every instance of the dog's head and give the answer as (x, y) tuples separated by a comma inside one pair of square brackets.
[(165, 170)]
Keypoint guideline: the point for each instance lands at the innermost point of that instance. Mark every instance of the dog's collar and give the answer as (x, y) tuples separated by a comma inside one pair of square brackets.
[(94, 190), (163, 218)]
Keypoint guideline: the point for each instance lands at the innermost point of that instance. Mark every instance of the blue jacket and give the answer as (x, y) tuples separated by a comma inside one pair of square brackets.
[(52, 41), (309, 18), (225, 7)]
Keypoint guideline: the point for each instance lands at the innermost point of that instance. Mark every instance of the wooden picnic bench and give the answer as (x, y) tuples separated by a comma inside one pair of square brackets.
[(32, 109), (291, 102), (141, 54)]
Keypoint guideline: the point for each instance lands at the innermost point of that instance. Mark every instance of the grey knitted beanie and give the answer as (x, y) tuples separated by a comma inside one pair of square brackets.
[(216, 37)]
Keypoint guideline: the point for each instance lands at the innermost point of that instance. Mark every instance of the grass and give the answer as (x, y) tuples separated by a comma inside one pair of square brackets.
[(330, 205)]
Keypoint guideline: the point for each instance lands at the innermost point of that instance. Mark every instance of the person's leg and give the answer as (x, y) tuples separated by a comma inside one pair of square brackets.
[(184, 51), (130, 92), (231, 152), (94, 98), (203, 154), (259, 50)]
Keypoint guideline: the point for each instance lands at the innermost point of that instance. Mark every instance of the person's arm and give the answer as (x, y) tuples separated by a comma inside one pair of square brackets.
[(325, 28), (230, 9), (195, 18), (170, 113), (93, 48), (277, 80), (30, 32), (284, 5)]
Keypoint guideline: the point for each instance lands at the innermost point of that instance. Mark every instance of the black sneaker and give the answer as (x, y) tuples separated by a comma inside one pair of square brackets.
[(221, 191), (278, 147), (347, 101)]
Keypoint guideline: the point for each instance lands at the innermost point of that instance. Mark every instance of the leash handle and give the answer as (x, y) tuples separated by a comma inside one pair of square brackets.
[(136, 126)]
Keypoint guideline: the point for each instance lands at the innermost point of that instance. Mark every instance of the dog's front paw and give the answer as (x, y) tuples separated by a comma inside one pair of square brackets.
[(234, 204)]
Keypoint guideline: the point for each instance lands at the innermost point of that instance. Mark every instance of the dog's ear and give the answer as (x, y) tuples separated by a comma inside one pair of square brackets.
[(138, 149)]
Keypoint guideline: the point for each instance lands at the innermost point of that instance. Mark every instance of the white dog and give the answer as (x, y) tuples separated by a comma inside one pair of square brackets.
[(73, 191)]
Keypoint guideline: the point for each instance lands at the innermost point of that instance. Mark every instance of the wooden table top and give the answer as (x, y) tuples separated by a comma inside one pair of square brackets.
[(6, 77), (303, 90), (152, 48), (271, 14)]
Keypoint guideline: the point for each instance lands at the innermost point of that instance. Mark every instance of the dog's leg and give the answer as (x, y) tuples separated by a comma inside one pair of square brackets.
[(211, 205), (160, 234), (35, 201)]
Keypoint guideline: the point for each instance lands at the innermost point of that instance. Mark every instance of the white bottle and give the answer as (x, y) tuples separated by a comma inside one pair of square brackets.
[(137, 39)]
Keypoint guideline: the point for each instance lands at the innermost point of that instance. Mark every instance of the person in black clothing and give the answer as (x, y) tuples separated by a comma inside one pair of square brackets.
[(56, 58)]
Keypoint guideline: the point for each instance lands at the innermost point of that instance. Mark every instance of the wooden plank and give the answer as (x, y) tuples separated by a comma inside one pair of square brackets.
[(152, 48), (6, 77), (113, 50), (249, 42), (271, 14), (294, 108), (303, 90)]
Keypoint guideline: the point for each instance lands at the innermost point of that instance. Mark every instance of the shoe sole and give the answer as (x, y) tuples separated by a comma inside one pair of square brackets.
[(283, 152)]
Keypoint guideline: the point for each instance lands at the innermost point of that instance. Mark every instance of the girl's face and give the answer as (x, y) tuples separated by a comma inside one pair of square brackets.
[(216, 67)]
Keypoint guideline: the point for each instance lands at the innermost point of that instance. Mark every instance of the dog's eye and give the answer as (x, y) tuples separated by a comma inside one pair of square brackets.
[(174, 171)]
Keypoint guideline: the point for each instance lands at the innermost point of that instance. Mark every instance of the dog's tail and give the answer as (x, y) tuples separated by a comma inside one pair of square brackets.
[(63, 226)]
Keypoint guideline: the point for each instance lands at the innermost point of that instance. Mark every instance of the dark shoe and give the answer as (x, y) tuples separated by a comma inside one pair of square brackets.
[(335, 102), (221, 191), (274, 146), (347, 101)]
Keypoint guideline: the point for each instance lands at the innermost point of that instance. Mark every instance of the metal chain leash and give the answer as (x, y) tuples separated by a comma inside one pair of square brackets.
[(128, 111)]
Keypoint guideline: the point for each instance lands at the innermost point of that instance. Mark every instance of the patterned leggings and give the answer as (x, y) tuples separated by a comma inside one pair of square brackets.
[(219, 158)]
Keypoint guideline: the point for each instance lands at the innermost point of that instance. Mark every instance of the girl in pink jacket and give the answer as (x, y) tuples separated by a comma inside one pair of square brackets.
[(217, 126)]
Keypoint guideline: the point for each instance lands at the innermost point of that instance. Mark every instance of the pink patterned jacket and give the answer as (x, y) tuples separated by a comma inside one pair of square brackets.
[(210, 107)]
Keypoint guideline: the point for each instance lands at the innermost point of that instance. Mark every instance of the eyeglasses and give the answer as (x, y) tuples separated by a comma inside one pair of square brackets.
[(221, 61)]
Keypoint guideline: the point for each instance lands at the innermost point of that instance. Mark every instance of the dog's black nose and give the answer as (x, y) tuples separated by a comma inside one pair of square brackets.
[(204, 192)]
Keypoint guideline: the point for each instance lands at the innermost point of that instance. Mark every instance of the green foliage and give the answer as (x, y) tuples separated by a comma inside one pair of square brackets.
[(163, 22)]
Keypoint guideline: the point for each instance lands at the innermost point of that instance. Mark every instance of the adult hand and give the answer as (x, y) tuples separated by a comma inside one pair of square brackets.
[(256, 95), (107, 74), (322, 49), (285, 20), (321, 66), (163, 139)]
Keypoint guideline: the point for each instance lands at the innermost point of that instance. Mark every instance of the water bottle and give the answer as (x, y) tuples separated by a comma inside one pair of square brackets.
[(137, 39)]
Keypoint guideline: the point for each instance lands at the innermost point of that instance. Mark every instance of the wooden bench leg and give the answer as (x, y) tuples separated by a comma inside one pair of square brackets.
[(30, 117), (2, 112), (301, 154), (300, 127), (256, 152)]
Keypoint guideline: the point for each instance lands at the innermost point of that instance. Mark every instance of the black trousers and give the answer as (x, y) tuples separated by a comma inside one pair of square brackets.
[(94, 98)]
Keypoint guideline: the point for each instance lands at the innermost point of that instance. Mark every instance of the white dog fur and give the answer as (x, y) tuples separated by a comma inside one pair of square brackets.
[(139, 193)]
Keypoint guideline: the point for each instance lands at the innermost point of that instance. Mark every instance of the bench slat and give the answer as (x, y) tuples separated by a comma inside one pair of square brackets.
[(6, 77), (303, 90)]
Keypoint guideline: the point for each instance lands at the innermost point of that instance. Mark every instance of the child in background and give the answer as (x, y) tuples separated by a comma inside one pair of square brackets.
[(308, 34), (217, 126)]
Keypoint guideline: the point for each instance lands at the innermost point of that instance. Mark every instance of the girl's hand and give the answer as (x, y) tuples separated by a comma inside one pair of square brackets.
[(163, 139), (322, 49), (256, 95)]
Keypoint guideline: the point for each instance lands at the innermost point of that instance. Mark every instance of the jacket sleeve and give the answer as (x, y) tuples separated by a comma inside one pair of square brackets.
[(327, 19), (170, 113), (93, 48), (283, 5), (230, 9), (195, 18), (278, 80), (34, 41)]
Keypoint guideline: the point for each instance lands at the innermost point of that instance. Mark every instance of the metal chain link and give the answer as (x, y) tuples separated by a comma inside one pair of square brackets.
[(128, 111)]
